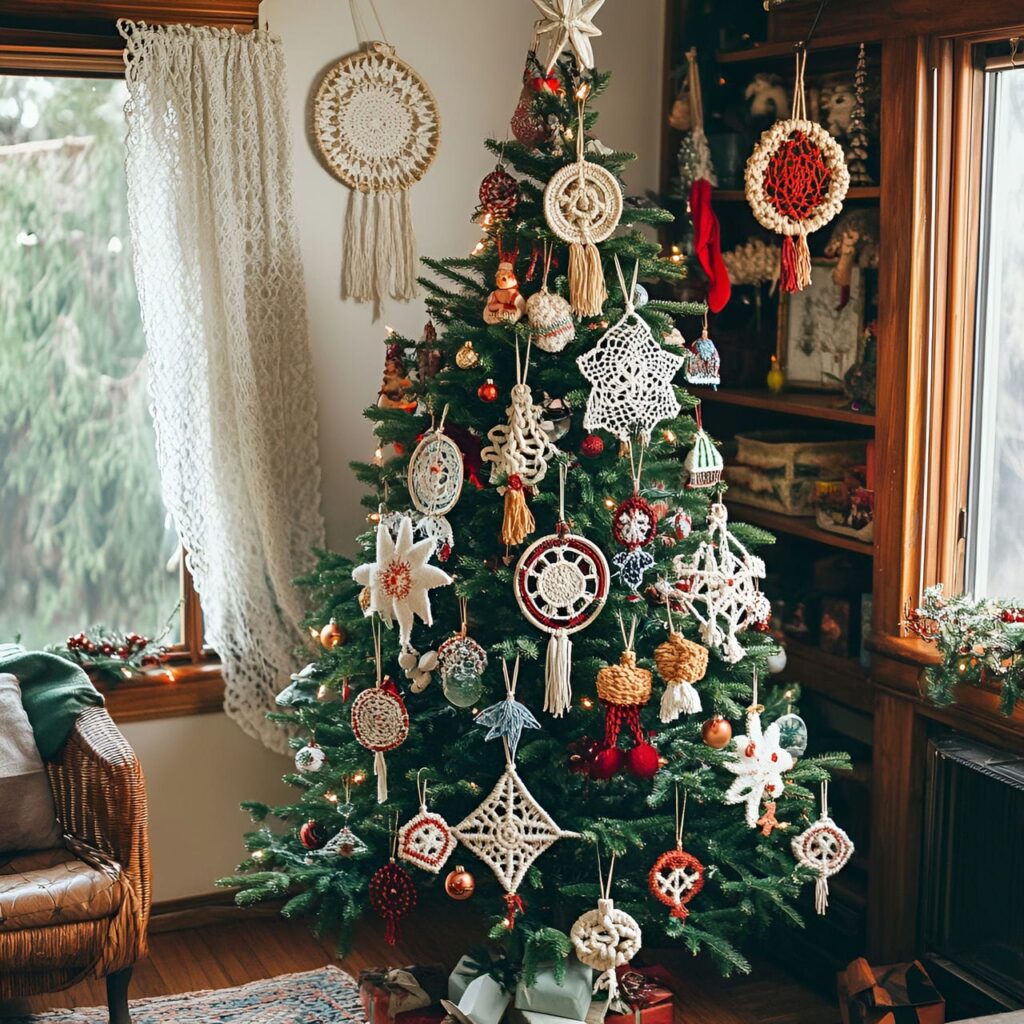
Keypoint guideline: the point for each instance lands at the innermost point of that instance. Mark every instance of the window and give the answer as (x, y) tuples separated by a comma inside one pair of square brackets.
[(86, 538), (995, 548)]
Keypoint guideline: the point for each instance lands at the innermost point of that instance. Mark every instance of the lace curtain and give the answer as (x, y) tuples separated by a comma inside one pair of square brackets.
[(220, 283)]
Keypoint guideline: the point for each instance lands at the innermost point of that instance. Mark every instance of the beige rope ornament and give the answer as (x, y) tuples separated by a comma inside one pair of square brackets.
[(824, 848), (681, 663), (583, 206), (796, 180), (377, 128)]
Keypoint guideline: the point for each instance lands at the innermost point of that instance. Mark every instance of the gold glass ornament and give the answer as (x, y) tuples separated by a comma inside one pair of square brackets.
[(467, 357)]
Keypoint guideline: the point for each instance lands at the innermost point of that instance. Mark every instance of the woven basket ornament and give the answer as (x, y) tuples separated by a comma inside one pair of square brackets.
[(377, 128), (561, 583), (583, 206), (796, 180)]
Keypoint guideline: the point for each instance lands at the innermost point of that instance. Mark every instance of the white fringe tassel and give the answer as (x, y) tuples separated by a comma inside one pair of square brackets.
[(380, 769), (378, 256), (821, 895), (678, 699), (557, 672)]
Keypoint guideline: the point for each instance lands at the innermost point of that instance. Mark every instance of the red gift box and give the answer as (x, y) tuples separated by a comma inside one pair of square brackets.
[(424, 1015), (648, 993), (890, 994)]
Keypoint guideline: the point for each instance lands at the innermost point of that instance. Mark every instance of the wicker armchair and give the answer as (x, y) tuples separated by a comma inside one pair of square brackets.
[(101, 802)]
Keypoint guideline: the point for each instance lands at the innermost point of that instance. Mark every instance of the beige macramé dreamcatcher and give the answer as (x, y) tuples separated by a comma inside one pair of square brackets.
[(377, 128)]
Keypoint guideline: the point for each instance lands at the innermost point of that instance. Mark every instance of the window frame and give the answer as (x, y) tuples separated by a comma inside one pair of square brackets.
[(57, 38)]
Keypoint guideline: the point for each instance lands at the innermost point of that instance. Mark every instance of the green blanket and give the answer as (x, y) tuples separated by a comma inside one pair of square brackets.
[(55, 692)]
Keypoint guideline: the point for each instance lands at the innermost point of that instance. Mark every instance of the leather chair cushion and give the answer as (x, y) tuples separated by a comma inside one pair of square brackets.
[(48, 887)]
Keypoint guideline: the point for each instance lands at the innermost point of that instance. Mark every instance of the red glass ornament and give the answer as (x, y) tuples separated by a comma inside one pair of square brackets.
[(675, 878), (546, 83), (642, 761), (311, 835), (608, 763), (499, 193), (460, 884), (592, 446), (488, 391), (392, 894)]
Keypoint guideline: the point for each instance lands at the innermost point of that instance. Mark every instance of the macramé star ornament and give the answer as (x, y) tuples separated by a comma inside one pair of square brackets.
[(569, 23), (400, 579), (631, 376), (759, 765)]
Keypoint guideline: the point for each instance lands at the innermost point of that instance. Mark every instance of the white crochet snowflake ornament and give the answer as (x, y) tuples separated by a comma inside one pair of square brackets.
[(759, 765), (569, 23), (717, 585), (400, 579), (631, 377), (509, 830)]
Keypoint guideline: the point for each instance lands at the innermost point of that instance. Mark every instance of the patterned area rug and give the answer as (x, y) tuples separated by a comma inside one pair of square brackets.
[(324, 996)]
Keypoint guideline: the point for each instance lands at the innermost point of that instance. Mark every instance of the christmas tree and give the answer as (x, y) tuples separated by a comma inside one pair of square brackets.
[(529, 498)]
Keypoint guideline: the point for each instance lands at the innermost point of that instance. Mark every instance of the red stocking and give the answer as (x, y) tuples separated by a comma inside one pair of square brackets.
[(708, 244)]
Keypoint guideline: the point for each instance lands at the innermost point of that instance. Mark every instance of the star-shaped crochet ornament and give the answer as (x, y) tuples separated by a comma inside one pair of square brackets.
[(509, 830), (400, 580), (569, 23), (631, 377), (759, 765)]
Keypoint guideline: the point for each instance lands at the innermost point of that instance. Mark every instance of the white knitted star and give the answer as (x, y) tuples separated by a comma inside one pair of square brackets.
[(631, 376), (571, 23), (759, 766), (399, 581)]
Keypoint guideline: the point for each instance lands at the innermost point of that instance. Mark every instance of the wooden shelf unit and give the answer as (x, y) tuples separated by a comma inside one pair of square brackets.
[(770, 51), (813, 405), (796, 526)]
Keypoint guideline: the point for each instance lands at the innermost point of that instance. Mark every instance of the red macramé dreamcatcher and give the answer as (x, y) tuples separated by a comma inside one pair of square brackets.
[(796, 180)]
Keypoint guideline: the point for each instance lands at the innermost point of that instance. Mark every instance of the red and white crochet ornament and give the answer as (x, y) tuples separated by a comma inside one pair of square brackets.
[(634, 526), (499, 194), (796, 180), (392, 894), (561, 582), (380, 721), (824, 848), (426, 839), (676, 876)]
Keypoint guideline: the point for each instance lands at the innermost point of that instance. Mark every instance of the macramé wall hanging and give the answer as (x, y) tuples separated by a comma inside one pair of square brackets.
[(377, 129)]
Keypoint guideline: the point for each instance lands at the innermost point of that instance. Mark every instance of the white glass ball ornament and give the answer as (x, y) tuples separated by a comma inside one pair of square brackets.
[(640, 296), (310, 758), (793, 734), (777, 662), (463, 686)]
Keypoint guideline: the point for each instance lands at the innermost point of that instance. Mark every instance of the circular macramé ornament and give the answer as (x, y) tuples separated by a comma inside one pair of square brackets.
[(583, 203), (380, 720), (435, 474), (375, 121), (674, 879), (606, 938), (825, 848)]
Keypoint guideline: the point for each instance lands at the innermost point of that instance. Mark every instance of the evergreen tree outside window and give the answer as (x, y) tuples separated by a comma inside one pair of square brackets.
[(86, 538)]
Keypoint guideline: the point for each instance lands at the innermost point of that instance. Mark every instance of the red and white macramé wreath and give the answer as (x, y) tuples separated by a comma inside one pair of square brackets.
[(796, 180), (380, 723)]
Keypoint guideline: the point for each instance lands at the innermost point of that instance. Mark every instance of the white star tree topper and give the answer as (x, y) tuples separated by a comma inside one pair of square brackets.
[(759, 765), (400, 580), (569, 23)]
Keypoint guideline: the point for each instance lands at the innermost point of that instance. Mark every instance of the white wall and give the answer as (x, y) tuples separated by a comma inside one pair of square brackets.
[(471, 54)]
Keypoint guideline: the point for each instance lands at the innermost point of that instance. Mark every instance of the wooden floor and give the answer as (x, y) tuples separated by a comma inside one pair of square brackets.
[(222, 953)]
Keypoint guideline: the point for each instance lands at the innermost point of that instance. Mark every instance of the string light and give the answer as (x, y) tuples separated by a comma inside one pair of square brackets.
[(358, 778), (331, 798), (582, 91), (389, 329), (587, 703), (378, 457), (321, 694), (479, 247), (669, 436), (373, 517), (609, 503), (259, 854)]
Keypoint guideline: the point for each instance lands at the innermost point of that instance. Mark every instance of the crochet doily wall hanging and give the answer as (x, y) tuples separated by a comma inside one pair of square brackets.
[(426, 839), (630, 375), (561, 583), (796, 180), (583, 206), (377, 128), (824, 848), (717, 585)]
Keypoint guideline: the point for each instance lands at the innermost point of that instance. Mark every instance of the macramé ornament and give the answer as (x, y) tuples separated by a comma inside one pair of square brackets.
[(508, 718), (717, 585), (377, 128), (380, 720), (634, 526), (676, 876), (435, 473), (759, 763), (392, 894), (519, 452), (623, 689), (796, 180), (703, 363), (508, 831), (703, 462), (606, 938), (401, 578), (583, 206), (824, 848), (570, 24), (630, 375), (561, 582), (681, 663), (426, 839), (549, 315)]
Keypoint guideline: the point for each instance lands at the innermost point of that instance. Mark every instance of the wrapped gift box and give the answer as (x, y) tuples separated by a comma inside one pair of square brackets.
[(388, 991), (517, 1016), (424, 1015), (483, 1001), (891, 994), (569, 998), (461, 976), (647, 991)]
